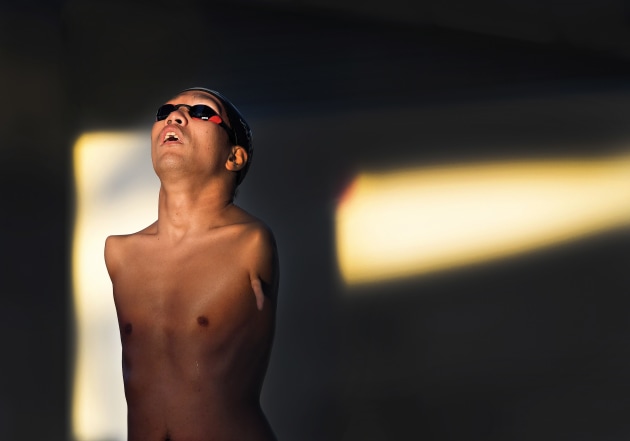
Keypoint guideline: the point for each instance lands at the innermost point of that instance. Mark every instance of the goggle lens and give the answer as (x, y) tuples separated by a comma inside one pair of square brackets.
[(199, 111)]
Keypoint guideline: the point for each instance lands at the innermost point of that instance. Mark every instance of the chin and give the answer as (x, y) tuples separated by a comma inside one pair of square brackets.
[(170, 164)]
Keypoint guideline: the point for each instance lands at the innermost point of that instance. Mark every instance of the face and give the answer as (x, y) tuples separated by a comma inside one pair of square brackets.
[(182, 143)]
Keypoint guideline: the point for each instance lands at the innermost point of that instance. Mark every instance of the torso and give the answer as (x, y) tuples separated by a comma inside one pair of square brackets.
[(195, 345)]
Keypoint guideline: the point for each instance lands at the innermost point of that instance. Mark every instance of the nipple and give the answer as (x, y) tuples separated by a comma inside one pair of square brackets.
[(202, 321), (128, 328)]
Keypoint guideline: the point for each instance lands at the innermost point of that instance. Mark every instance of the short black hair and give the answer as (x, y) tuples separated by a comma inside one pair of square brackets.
[(242, 131)]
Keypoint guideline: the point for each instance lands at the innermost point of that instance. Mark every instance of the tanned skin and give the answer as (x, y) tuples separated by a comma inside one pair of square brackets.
[(195, 293)]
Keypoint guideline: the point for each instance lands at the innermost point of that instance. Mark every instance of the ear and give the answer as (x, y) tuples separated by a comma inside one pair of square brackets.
[(237, 159)]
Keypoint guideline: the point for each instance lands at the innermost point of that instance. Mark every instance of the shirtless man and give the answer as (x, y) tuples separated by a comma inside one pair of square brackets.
[(195, 292)]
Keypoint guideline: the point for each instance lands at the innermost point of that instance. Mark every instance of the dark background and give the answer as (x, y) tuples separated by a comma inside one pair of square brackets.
[(529, 348)]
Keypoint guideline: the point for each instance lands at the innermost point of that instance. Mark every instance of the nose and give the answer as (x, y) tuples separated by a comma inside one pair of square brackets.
[(174, 119), (177, 116)]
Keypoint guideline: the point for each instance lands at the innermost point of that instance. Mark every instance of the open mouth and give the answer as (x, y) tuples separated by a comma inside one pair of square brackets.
[(170, 136)]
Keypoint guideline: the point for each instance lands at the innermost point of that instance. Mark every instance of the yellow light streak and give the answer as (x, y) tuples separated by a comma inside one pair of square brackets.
[(412, 222), (109, 201)]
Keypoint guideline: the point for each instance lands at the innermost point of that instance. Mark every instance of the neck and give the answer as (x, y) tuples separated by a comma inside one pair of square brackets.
[(186, 209)]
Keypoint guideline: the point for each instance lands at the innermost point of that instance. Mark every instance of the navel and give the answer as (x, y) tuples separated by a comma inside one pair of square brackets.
[(128, 329), (202, 320)]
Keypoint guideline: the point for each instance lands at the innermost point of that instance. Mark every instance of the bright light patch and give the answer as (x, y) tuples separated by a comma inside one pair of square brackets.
[(116, 193), (407, 223)]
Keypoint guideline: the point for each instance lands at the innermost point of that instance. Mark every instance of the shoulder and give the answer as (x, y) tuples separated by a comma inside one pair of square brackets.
[(257, 247), (252, 231), (118, 247), (256, 242), (258, 234), (114, 252)]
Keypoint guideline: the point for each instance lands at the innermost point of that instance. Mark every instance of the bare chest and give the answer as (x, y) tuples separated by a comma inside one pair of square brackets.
[(176, 292)]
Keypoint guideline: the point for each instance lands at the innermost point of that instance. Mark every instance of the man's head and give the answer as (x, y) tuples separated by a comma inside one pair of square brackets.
[(242, 131), (223, 114)]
